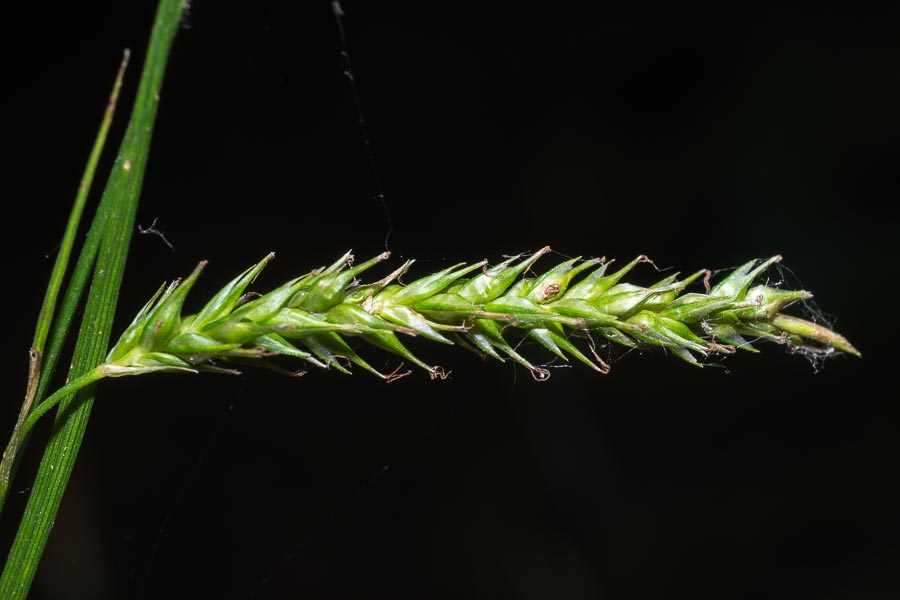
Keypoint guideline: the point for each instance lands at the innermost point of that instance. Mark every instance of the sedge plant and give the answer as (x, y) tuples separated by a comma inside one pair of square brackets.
[(322, 318)]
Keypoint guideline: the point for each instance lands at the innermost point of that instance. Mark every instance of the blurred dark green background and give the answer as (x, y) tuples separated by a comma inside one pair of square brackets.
[(700, 136)]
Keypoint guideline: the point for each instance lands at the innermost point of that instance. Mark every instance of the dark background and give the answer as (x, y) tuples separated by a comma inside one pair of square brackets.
[(701, 137)]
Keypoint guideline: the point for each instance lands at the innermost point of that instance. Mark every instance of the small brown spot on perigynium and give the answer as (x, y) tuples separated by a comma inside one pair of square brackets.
[(550, 291)]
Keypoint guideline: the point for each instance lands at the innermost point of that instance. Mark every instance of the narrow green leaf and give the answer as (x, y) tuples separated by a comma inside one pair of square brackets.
[(40, 369), (87, 180)]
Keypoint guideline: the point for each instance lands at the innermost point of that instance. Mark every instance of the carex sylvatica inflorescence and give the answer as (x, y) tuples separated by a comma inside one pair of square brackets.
[(567, 309)]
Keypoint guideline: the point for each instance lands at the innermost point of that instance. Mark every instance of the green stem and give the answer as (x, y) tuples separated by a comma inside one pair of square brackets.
[(23, 428)]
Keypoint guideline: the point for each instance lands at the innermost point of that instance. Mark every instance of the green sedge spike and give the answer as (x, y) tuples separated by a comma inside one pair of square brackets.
[(325, 317)]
